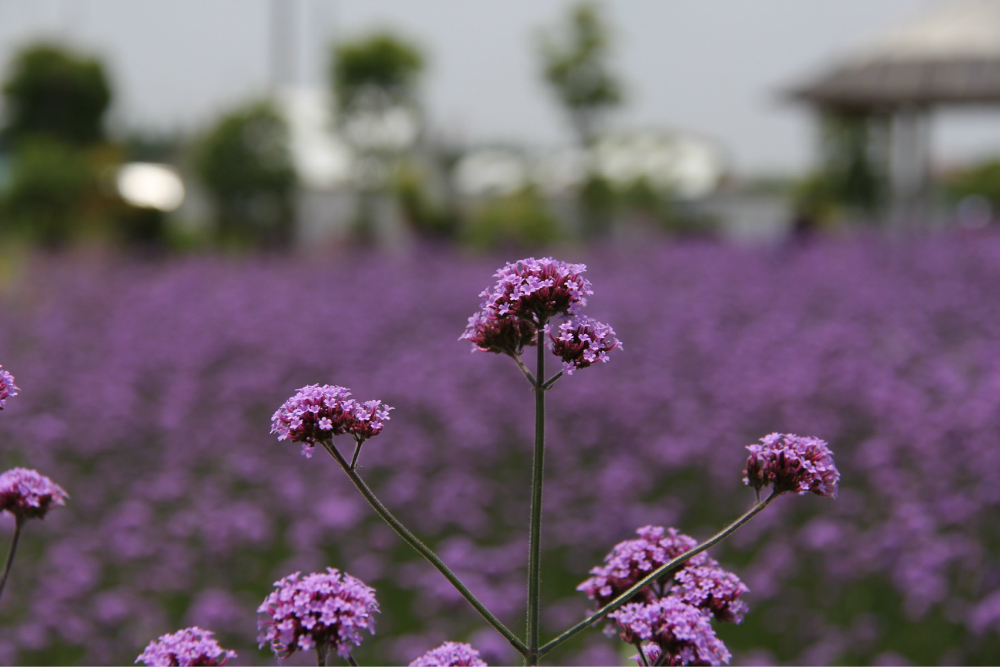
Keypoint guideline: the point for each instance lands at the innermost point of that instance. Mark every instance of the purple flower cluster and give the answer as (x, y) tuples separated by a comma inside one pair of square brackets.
[(792, 463), (29, 495), (583, 341), (505, 334), (450, 654), (7, 387), (327, 610), (190, 646), (680, 633), (701, 582), (317, 413), (537, 289)]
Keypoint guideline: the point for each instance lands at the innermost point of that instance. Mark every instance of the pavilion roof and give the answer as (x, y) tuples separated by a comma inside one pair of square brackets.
[(951, 55)]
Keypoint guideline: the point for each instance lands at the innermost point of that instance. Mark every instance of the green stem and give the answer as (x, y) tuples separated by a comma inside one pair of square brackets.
[(663, 570), (351, 660), (424, 551), (354, 459), (537, 477), (524, 369), (18, 523)]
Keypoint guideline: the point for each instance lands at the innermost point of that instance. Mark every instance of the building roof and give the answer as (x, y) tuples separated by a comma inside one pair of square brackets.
[(951, 55)]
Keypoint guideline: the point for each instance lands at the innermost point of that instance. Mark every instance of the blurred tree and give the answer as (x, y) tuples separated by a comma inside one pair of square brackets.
[(52, 92), (375, 73), (47, 195), (374, 82), (246, 164), (575, 65), (982, 179)]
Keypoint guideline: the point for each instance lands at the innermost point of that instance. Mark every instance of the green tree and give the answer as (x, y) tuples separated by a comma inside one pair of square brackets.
[(854, 171), (53, 92), (246, 164), (575, 64)]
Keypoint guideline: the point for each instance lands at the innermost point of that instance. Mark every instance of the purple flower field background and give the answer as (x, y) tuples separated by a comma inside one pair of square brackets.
[(147, 391)]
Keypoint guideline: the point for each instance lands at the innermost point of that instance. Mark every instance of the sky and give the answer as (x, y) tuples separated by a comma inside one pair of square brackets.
[(714, 68)]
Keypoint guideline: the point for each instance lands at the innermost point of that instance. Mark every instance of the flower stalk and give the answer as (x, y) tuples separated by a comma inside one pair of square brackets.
[(423, 550), (537, 478), (18, 524)]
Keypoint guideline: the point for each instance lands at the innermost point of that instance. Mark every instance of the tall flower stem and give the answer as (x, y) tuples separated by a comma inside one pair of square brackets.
[(424, 551), (537, 477), (663, 570), (18, 523)]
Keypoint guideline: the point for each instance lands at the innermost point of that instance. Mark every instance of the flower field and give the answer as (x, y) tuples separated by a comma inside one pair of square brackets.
[(147, 389)]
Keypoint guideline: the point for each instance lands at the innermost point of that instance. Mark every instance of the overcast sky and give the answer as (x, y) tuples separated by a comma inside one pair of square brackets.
[(711, 67)]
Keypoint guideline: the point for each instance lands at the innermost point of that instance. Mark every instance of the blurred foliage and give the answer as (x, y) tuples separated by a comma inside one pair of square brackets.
[(518, 220), (55, 194), (853, 178), (425, 216), (375, 73), (575, 65), (53, 92), (246, 164), (982, 179)]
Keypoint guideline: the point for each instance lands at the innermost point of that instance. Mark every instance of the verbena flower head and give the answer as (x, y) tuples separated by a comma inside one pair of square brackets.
[(318, 609), (504, 334), (682, 632), (450, 654), (7, 387), (583, 341), (190, 646), (537, 289), (317, 413), (632, 560), (29, 495), (705, 585), (792, 463)]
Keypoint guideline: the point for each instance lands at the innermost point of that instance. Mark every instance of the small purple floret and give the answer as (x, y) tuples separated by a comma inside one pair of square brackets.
[(680, 631), (317, 413), (318, 609), (450, 654), (792, 463), (583, 341), (190, 646), (7, 387), (537, 289), (29, 495), (503, 334)]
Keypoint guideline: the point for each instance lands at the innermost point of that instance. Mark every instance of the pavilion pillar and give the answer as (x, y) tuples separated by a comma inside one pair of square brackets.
[(909, 172)]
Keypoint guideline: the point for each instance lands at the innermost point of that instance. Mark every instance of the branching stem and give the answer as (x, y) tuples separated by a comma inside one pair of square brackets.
[(424, 551), (667, 568), (18, 524), (535, 538)]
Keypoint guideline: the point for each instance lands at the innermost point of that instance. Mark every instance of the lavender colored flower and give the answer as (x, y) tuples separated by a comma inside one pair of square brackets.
[(317, 413), (792, 463), (504, 334), (27, 494), (190, 646), (319, 609), (450, 654), (7, 387), (537, 289), (683, 633), (583, 341), (631, 560), (702, 583)]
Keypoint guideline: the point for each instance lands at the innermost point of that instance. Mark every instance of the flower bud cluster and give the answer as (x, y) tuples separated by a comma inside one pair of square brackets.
[(317, 413), (29, 495), (450, 654), (792, 463), (537, 289), (583, 341), (190, 646), (328, 610), (701, 587), (7, 387), (501, 335)]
